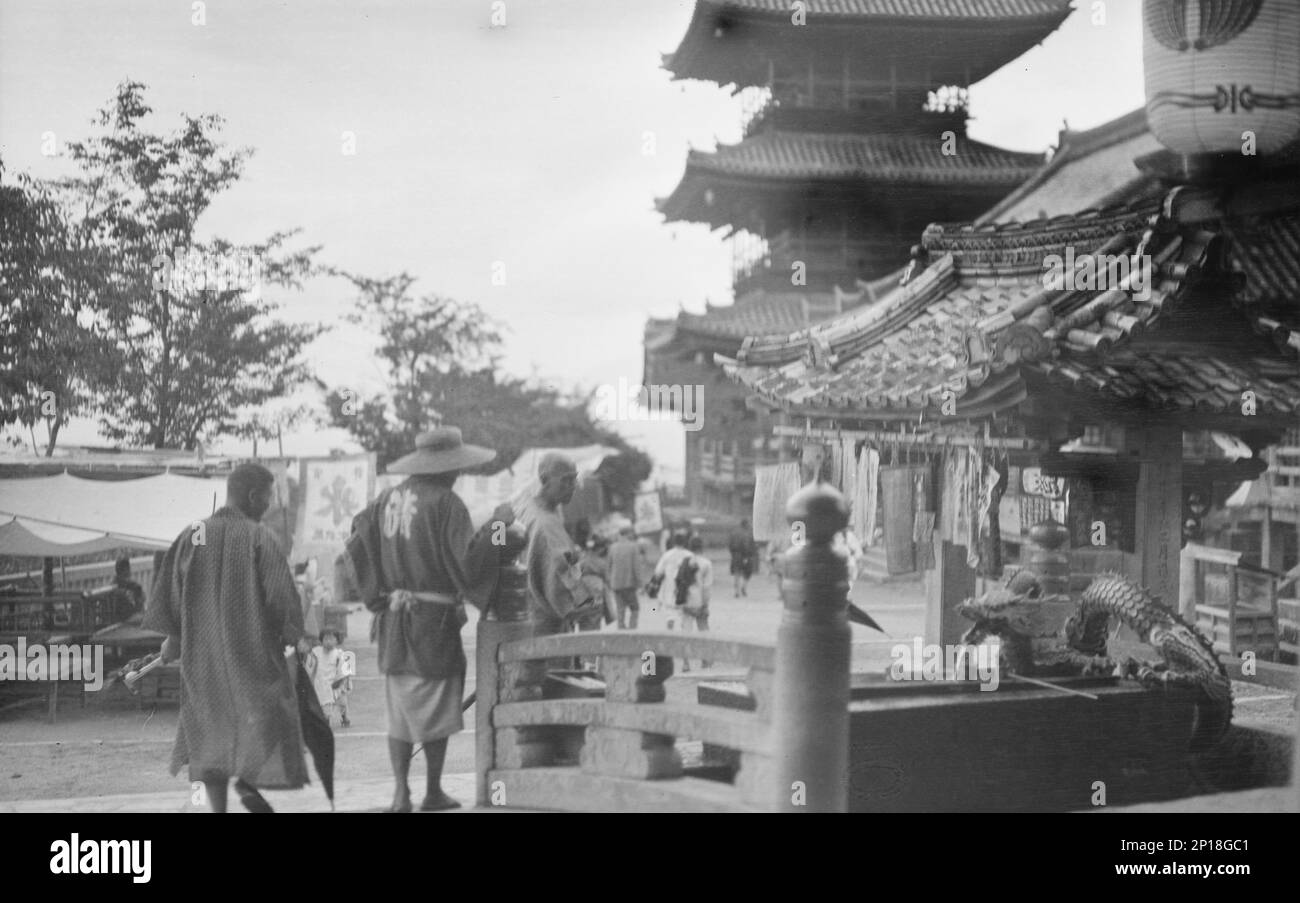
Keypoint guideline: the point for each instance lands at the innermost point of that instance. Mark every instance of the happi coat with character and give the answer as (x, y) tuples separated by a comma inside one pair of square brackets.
[(417, 536), (226, 591)]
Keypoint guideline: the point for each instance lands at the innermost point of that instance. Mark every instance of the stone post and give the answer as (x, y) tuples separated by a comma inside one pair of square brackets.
[(504, 620), (810, 694)]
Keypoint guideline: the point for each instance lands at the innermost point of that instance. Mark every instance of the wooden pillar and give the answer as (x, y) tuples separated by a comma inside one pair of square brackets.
[(1266, 536), (1159, 522), (810, 694), (1188, 585), (1266, 520), (505, 620)]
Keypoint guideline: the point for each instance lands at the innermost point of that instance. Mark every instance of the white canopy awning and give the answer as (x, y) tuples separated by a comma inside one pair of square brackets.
[(66, 515)]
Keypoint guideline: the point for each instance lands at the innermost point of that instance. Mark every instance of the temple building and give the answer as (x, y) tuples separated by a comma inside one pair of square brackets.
[(854, 139), (1115, 404)]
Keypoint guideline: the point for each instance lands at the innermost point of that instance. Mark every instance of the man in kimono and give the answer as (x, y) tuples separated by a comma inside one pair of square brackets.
[(225, 598), (557, 596), (417, 559)]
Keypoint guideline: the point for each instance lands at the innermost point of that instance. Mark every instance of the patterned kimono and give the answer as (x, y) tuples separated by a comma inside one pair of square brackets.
[(225, 590)]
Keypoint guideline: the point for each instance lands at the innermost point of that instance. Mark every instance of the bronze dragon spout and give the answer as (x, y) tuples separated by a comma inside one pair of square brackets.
[(1018, 615)]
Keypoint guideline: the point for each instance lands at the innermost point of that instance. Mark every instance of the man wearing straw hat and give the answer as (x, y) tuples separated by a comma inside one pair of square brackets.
[(417, 559)]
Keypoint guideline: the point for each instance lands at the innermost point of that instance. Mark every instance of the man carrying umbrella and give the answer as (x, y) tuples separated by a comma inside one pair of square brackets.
[(225, 598), (417, 559)]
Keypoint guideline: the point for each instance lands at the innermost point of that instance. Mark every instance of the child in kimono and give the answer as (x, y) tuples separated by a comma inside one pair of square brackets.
[(331, 669)]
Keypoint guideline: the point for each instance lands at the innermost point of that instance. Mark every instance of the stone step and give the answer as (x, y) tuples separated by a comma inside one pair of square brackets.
[(573, 790)]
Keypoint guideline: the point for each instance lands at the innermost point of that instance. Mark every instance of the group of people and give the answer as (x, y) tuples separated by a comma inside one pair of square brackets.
[(680, 581), (225, 597)]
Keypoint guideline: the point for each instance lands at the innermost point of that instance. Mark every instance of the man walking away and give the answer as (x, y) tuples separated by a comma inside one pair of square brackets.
[(225, 598), (626, 577), (665, 576), (744, 557)]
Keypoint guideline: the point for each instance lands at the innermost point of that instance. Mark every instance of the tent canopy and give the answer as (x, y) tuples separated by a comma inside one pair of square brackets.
[(65, 515)]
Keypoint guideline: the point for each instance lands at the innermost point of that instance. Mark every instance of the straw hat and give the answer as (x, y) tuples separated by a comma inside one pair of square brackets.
[(439, 451)]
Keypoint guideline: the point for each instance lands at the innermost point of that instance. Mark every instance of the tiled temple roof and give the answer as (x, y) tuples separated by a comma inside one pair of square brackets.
[(725, 327), (776, 313), (978, 323), (883, 159), (1005, 29), (994, 10), (1091, 168)]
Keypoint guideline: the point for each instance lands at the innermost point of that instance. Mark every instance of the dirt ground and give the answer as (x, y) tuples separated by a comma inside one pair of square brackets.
[(112, 746)]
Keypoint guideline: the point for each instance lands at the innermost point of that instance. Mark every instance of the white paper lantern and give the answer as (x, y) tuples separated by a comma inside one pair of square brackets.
[(1216, 69)]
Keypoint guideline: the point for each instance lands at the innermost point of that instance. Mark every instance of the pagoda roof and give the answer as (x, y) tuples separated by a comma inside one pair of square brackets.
[(779, 160), (732, 323), (725, 40), (978, 323), (722, 328)]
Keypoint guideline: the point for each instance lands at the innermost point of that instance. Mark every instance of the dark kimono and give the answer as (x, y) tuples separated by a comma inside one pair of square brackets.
[(225, 590)]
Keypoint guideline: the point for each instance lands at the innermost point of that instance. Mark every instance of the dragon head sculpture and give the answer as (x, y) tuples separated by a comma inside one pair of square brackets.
[(1008, 611)]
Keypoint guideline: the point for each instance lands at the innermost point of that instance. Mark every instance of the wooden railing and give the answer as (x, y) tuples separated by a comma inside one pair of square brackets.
[(544, 744), (1284, 467), (1234, 604)]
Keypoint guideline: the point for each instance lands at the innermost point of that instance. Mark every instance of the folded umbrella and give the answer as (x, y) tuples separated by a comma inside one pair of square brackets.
[(858, 616), (316, 731)]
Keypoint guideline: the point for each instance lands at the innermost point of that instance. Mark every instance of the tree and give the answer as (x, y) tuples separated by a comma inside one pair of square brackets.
[(192, 343), (51, 359), (441, 357)]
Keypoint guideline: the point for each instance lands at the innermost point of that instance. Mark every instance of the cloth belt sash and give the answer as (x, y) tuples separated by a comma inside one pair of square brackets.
[(419, 632)]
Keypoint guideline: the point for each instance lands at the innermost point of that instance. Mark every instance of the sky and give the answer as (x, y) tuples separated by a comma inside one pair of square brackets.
[(535, 150)]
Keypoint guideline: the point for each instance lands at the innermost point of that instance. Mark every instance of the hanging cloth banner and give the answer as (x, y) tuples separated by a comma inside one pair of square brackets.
[(773, 486), (648, 513), (865, 496), (990, 522), (896, 492)]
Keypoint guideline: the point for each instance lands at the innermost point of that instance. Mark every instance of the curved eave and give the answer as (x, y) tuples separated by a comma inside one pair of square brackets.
[(723, 174), (1004, 391), (752, 32)]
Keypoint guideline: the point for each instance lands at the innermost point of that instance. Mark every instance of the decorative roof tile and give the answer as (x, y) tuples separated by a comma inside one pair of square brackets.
[(979, 321)]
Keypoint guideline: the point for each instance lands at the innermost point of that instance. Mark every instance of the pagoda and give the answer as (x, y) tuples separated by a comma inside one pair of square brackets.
[(854, 139)]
